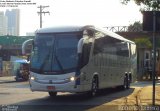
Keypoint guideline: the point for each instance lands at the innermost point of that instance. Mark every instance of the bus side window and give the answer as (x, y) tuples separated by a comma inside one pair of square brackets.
[(98, 44), (84, 59), (123, 49), (109, 45), (85, 54)]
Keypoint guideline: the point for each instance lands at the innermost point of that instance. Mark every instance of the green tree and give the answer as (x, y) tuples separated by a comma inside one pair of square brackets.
[(143, 42), (135, 27), (147, 5)]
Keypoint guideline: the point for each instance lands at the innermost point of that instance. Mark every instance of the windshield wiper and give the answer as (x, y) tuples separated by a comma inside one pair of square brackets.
[(45, 61), (59, 63)]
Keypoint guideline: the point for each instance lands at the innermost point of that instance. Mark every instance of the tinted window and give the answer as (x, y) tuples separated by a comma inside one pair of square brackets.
[(86, 53), (123, 49), (55, 52), (110, 45)]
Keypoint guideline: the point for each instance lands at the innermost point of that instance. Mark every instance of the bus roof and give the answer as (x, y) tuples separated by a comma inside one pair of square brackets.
[(61, 29), (114, 35)]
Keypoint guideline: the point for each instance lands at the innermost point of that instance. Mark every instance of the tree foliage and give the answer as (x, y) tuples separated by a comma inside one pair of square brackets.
[(143, 42), (135, 27), (148, 5)]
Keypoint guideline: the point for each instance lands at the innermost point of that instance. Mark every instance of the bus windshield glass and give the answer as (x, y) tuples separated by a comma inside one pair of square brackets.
[(55, 53)]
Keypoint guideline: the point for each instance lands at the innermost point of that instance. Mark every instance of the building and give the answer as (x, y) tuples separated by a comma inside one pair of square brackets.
[(13, 22), (12, 46), (3, 24)]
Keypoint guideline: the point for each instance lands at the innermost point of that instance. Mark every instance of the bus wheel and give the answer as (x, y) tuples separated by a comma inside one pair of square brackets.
[(126, 82), (94, 89), (52, 94)]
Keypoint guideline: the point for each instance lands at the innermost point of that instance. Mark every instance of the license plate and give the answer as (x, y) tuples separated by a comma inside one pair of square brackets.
[(51, 87)]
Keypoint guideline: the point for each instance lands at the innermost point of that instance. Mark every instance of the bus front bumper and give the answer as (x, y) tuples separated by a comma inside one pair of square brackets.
[(66, 87)]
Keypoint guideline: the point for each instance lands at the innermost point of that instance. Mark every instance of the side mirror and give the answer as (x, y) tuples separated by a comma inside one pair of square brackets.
[(25, 45), (80, 46)]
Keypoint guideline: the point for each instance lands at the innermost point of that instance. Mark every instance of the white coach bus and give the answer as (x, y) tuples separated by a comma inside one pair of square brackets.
[(80, 59)]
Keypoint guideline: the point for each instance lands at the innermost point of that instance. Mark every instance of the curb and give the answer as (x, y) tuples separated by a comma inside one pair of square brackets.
[(7, 79)]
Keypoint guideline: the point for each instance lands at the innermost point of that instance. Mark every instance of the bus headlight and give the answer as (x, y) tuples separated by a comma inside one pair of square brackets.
[(32, 78), (72, 79)]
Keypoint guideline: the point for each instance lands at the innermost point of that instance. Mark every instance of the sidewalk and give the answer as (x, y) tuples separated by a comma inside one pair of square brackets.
[(145, 95), (7, 79)]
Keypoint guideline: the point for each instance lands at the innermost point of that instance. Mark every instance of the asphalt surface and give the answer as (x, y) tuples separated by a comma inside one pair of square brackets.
[(18, 97)]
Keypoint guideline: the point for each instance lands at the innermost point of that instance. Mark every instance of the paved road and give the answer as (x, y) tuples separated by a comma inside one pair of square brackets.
[(18, 94)]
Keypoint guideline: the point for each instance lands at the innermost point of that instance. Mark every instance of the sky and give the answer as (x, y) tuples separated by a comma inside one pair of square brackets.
[(77, 12)]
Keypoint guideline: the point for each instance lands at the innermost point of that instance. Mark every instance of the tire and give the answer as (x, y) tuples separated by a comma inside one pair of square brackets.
[(94, 89), (52, 94), (25, 78), (121, 87), (126, 82)]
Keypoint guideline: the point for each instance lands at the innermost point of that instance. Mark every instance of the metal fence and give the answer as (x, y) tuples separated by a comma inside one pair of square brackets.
[(123, 29)]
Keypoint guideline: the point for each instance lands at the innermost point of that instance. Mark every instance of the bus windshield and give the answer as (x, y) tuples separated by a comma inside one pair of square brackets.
[(55, 53)]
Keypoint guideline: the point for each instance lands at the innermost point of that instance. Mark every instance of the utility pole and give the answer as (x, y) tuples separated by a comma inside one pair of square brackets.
[(42, 12), (154, 57)]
